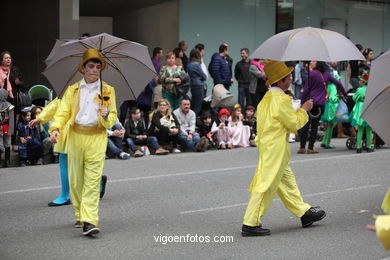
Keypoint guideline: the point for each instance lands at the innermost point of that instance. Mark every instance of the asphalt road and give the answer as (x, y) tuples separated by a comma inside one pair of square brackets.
[(198, 196)]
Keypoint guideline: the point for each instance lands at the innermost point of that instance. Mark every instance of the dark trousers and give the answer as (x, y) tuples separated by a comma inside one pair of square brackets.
[(312, 127), (256, 98), (197, 98), (124, 108), (244, 97)]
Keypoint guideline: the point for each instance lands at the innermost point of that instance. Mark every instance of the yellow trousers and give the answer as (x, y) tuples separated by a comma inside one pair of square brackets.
[(287, 189), (86, 155)]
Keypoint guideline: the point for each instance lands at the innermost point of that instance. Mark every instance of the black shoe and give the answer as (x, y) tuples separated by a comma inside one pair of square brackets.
[(248, 231), (370, 150), (89, 229), (52, 204), (359, 150), (312, 215), (104, 180), (77, 224)]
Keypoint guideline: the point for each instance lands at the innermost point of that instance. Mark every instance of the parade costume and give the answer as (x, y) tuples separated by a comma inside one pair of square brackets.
[(222, 134), (44, 117), (382, 223), (87, 140), (329, 116), (275, 121), (6, 126), (355, 116)]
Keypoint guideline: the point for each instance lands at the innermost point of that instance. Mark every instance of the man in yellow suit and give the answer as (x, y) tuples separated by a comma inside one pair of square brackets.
[(276, 119), (90, 109)]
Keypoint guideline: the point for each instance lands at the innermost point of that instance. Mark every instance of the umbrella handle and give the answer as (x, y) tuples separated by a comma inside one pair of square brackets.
[(316, 116)]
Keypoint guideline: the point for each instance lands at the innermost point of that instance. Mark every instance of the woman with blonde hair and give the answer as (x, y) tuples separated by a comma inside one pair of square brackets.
[(165, 126)]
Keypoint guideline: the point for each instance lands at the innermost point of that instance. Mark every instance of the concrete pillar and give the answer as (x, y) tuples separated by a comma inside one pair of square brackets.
[(69, 19)]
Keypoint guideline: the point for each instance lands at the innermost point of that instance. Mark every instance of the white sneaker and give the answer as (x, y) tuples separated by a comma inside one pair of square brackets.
[(175, 150), (291, 140), (124, 156)]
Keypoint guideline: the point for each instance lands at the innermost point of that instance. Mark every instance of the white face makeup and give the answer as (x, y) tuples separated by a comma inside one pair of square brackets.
[(91, 71)]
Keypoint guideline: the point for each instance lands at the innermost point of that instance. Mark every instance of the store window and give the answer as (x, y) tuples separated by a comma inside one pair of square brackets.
[(284, 15)]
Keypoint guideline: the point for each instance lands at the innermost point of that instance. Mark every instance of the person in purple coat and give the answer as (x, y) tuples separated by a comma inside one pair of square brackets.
[(316, 88)]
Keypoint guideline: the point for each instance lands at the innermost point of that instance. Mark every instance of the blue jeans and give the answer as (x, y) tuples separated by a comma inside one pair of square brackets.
[(197, 98), (152, 140), (244, 97), (114, 145), (297, 91), (190, 144)]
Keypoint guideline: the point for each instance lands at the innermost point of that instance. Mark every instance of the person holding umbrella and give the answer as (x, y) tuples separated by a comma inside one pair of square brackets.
[(276, 119), (316, 89), (90, 107)]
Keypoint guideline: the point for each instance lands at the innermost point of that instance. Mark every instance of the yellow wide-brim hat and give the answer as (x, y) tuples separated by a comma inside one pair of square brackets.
[(275, 71), (90, 54)]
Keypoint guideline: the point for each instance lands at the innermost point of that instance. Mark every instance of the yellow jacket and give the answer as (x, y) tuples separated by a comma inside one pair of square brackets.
[(49, 111), (69, 108), (47, 115), (276, 119)]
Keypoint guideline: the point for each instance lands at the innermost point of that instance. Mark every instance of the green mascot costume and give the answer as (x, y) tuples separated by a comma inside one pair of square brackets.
[(355, 116), (329, 116)]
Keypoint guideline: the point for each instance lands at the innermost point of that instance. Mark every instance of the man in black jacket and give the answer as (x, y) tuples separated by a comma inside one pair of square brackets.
[(241, 73)]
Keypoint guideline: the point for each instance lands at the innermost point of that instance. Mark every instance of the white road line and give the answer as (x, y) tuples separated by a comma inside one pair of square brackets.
[(32, 189), (304, 195), (220, 170)]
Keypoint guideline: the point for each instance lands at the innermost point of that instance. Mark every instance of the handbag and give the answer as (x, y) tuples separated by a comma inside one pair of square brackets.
[(23, 99), (342, 112), (182, 89)]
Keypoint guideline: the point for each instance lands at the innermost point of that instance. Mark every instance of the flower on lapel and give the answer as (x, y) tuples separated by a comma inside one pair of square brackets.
[(105, 101)]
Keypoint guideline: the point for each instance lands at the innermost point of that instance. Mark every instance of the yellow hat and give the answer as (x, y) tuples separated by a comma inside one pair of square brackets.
[(275, 71), (90, 54)]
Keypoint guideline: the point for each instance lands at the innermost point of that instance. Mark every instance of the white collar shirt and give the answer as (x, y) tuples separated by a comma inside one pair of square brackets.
[(88, 107)]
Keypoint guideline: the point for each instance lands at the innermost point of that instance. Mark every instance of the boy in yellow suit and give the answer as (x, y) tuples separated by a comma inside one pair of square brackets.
[(89, 113), (276, 119)]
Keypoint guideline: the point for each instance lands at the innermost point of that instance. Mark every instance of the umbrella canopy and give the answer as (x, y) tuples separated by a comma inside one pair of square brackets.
[(308, 43), (54, 51), (129, 67), (377, 100)]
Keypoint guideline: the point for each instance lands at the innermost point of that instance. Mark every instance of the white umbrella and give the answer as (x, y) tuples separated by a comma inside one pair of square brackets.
[(53, 51), (129, 67), (308, 43), (377, 100)]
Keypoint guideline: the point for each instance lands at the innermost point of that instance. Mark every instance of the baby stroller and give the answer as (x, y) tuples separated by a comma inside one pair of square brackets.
[(376, 142), (351, 143)]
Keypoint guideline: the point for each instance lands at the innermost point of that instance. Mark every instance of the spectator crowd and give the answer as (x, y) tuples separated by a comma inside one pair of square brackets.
[(173, 113)]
